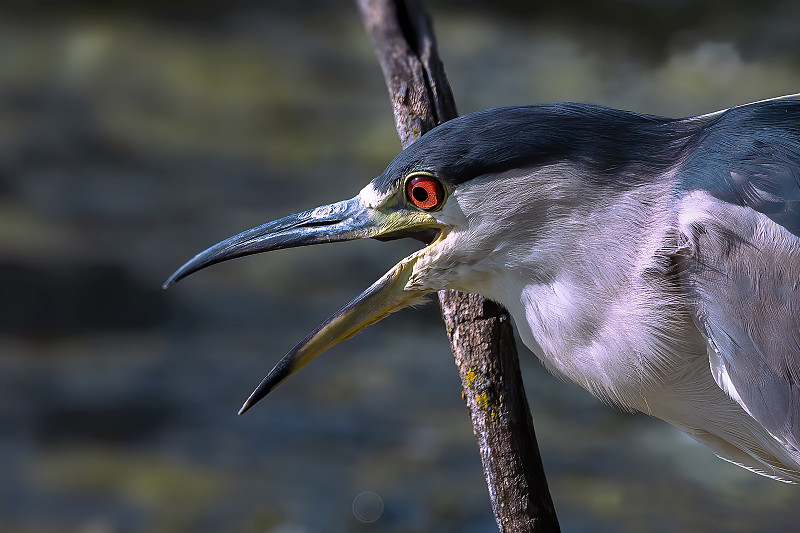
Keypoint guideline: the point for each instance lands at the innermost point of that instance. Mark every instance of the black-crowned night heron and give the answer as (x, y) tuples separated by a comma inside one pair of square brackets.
[(653, 261)]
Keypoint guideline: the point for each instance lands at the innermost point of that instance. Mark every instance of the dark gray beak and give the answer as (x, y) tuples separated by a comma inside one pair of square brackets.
[(342, 221)]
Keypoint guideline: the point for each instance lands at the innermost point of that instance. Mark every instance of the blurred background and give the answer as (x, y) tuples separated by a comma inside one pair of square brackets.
[(135, 134)]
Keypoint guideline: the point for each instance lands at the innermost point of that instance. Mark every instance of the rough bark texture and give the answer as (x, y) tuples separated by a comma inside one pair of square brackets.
[(479, 330), (486, 355)]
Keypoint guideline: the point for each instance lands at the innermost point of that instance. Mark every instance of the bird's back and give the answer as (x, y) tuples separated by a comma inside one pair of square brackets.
[(740, 216)]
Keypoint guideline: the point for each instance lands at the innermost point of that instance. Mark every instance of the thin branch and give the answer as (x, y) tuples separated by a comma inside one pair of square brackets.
[(479, 330)]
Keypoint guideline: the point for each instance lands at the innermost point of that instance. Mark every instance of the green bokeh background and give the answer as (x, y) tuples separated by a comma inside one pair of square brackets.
[(134, 134)]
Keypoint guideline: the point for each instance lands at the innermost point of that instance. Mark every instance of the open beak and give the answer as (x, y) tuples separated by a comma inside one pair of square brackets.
[(342, 221)]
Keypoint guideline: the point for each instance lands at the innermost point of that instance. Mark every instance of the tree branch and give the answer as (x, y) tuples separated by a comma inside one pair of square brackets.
[(480, 331)]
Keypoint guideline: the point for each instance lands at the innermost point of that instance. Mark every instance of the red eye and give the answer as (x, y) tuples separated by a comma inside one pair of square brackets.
[(425, 192)]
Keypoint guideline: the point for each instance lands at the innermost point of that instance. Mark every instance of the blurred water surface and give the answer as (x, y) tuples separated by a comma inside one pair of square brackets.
[(135, 134)]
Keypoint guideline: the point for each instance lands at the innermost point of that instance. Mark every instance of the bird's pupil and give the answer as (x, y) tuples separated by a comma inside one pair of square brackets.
[(420, 194)]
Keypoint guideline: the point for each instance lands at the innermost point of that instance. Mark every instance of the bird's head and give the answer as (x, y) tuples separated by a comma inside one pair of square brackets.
[(462, 189)]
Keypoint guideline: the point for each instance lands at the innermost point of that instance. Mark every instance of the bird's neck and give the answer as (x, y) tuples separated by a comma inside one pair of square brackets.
[(596, 300)]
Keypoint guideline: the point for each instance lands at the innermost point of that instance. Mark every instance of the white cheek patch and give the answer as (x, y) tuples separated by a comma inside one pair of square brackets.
[(372, 198), (451, 213)]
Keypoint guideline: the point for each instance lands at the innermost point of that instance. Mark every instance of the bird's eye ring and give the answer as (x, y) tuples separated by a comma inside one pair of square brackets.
[(425, 192)]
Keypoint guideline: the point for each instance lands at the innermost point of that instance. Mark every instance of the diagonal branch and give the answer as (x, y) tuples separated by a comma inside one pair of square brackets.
[(480, 331)]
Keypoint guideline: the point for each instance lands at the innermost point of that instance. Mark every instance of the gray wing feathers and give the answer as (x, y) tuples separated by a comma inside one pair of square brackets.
[(740, 213), (742, 278), (750, 156)]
